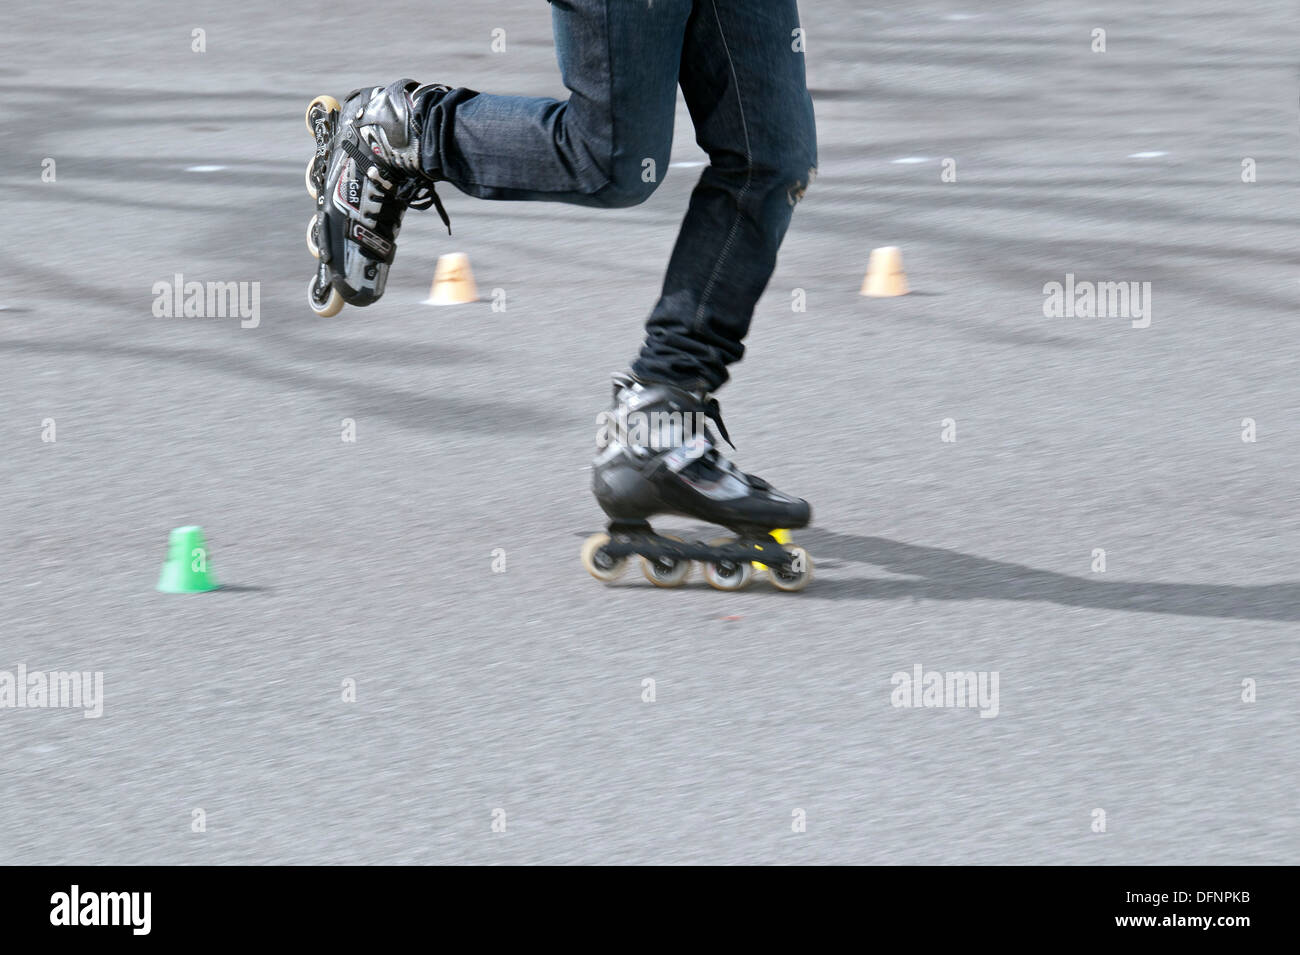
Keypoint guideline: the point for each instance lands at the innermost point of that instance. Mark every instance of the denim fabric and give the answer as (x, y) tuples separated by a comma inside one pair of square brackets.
[(622, 60)]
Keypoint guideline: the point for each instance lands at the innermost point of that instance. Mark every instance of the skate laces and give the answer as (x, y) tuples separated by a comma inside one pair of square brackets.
[(691, 456), (416, 192), (708, 404), (681, 447), (712, 455), (421, 195), (713, 411), (395, 190), (717, 459), (396, 197)]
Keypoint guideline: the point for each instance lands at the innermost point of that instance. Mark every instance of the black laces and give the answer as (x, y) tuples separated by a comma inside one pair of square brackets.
[(420, 195), (714, 412)]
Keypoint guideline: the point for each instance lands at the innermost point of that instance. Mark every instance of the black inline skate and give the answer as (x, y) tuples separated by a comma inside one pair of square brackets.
[(655, 456), (364, 176)]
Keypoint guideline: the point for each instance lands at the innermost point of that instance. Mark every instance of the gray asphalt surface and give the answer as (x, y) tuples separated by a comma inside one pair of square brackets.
[(522, 690)]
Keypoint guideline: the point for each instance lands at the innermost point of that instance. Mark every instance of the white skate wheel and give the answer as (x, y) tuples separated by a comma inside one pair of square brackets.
[(727, 575), (798, 577), (599, 564), (327, 307), (312, 247), (330, 105), (667, 572)]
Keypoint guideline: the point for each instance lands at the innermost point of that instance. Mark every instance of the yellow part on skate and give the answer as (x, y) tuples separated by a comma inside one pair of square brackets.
[(782, 537)]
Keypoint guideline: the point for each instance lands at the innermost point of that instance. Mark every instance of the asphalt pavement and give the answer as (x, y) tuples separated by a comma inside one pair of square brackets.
[(502, 712)]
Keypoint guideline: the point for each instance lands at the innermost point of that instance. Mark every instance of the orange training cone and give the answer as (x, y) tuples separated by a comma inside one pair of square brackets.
[(453, 281), (885, 273)]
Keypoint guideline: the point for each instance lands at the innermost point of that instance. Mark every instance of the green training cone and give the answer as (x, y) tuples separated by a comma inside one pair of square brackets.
[(186, 570)]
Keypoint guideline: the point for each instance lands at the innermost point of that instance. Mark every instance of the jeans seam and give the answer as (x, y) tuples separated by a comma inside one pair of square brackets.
[(749, 174), (609, 114)]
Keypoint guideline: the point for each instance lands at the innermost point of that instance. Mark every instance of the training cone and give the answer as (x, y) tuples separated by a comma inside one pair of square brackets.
[(453, 282), (885, 273), (186, 569)]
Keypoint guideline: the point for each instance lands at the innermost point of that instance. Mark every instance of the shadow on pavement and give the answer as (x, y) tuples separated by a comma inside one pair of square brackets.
[(951, 575)]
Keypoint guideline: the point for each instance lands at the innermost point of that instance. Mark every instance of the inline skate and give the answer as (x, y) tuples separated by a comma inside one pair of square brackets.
[(655, 455), (364, 176)]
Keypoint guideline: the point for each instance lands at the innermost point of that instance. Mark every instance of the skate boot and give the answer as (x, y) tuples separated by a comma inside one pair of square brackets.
[(364, 176), (655, 455)]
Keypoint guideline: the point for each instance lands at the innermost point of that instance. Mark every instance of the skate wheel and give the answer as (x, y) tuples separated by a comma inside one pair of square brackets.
[(598, 563), (312, 247), (727, 574), (324, 303), (666, 571), (797, 577), (327, 103), (311, 186)]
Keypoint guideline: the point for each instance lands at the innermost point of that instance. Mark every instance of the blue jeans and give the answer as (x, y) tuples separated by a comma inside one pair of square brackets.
[(741, 70)]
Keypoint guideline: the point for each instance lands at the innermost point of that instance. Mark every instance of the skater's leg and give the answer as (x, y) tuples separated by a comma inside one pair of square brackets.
[(620, 62), (744, 83)]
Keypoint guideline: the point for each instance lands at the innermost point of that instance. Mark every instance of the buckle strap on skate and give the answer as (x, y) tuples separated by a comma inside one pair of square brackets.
[(363, 158), (366, 159), (684, 454)]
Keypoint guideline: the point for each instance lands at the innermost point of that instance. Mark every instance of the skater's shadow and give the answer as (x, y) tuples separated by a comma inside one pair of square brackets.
[(949, 575)]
